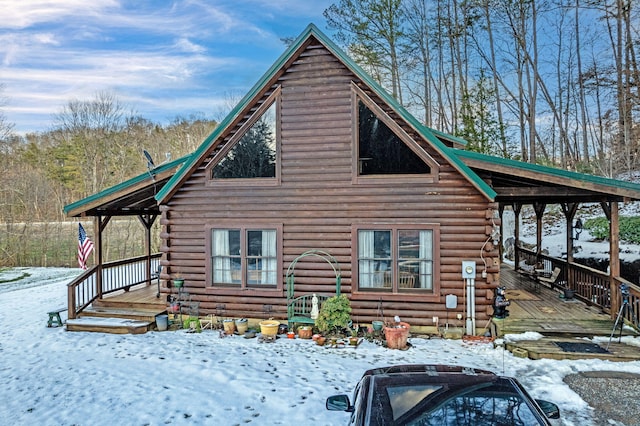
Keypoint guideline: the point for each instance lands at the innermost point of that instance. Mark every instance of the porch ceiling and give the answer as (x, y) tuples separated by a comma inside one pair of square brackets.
[(519, 189), (133, 197), (525, 183)]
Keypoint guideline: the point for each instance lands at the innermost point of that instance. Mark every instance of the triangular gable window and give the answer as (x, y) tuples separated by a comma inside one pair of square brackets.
[(254, 155), (381, 151)]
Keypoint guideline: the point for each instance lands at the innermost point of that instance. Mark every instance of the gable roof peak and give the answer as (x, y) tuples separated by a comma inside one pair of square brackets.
[(313, 31)]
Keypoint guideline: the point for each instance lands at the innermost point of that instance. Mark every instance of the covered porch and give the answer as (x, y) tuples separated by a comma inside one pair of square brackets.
[(519, 184), (122, 296), (562, 322)]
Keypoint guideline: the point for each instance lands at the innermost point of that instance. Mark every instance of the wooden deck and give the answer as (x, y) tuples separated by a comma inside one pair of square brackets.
[(538, 308), (142, 296)]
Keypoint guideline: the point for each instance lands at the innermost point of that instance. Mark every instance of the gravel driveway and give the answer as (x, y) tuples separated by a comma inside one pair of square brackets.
[(613, 395)]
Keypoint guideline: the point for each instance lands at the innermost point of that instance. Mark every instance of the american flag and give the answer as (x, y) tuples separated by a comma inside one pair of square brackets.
[(85, 246)]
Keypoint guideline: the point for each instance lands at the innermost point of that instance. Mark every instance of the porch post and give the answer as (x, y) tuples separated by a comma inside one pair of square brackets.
[(501, 244), (570, 210), (97, 226), (538, 208), (517, 207), (614, 263), (147, 221)]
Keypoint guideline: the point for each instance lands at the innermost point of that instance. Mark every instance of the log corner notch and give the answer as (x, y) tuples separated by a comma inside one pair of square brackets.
[(491, 249)]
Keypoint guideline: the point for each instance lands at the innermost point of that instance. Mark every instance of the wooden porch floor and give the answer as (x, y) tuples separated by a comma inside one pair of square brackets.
[(142, 295), (541, 309)]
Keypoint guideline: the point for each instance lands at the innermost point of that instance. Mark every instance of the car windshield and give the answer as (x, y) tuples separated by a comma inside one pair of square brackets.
[(468, 400)]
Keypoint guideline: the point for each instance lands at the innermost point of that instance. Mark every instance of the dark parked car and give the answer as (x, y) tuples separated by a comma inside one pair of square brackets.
[(441, 395)]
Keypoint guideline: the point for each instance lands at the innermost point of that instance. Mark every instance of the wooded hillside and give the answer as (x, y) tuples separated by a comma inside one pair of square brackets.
[(94, 144)]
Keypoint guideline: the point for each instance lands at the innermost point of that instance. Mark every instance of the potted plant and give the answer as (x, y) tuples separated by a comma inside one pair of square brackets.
[(334, 315), (568, 293), (353, 339), (177, 280), (305, 332), (241, 325)]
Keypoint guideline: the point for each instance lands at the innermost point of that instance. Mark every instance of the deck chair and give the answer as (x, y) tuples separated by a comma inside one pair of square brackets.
[(552, 279), (406, 280), (386, 279)]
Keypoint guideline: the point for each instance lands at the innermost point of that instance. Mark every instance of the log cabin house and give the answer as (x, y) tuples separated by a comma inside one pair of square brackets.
[(320, 168)]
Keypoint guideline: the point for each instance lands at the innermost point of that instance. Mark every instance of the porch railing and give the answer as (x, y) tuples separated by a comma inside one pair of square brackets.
[(590, 285), (116, 275)]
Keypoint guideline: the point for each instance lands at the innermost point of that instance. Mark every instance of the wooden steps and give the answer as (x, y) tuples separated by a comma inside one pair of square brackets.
[(547, 348), (588, 328), (125, 313), (132, 312), (109, 325)]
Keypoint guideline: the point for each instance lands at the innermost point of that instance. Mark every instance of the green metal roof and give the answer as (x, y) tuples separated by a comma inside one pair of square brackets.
[(611, 186), (454, 139), (106, 195), (313, 31)]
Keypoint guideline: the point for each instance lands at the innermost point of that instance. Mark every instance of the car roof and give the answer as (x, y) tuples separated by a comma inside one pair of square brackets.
[(430, 369)]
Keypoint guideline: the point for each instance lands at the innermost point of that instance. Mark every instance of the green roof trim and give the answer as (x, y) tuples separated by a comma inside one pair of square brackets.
[(549, 171), (222, 127), (123, 185), (447, 136), (312, 30)]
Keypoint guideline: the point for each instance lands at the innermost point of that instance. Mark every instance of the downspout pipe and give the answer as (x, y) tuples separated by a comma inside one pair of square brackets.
[(471, 306)]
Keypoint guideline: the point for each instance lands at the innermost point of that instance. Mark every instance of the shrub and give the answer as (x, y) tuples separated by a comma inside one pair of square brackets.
[(334, 315), (629, 228), (598, 227)]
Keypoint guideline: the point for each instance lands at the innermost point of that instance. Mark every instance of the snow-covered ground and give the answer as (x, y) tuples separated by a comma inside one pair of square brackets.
[(554, 240), (52, 377)]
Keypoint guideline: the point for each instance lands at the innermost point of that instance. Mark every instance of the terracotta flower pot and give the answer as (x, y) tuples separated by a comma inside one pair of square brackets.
[(305, 332), (321, 340), (396, 337)]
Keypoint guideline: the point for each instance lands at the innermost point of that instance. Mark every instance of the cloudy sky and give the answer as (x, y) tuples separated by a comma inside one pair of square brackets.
[(162, 59)]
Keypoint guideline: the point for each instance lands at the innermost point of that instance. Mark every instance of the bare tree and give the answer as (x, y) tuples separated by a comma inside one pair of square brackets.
[(6, 128), (419, 57), (372, 29), (88, 127)]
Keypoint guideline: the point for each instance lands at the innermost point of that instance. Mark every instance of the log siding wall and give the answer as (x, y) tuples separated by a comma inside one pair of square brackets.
[(317, 204)]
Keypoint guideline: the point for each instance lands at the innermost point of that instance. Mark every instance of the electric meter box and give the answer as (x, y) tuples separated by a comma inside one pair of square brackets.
[(451, 301), (468, 269)]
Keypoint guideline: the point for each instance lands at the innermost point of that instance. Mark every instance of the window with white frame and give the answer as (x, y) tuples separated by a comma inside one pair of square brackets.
[(244, 257), (396, 260)]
